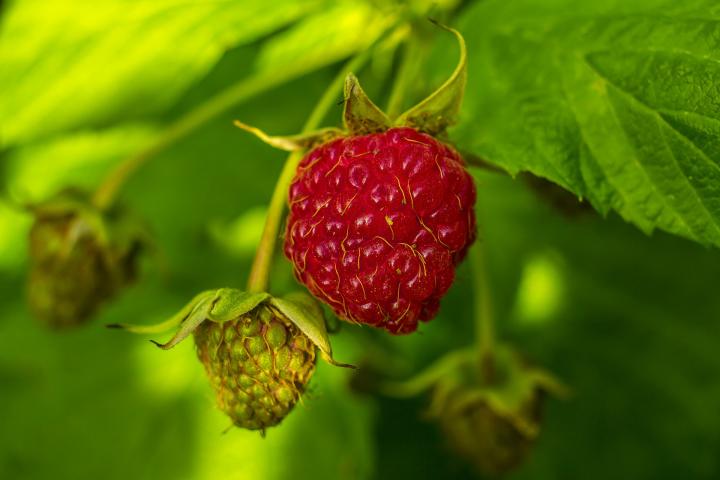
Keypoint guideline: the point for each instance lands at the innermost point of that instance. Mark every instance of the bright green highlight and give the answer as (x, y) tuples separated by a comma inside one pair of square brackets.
[(241, 236), (541, 291)]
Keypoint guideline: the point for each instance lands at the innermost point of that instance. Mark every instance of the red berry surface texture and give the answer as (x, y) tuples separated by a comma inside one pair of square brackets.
[(378, 223)]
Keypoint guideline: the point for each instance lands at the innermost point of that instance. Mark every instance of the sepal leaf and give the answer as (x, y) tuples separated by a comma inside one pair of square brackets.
[(230, 303), (292, 143), (439, 110), (164, 326), (197, 314), (360, 115), (219, 306), (227, 304), (302, 310), (430, 376)]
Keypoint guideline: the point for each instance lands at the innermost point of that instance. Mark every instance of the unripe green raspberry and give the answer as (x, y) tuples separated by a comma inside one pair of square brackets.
[(258, 350), (488, 404), (494, 440), (490, 412), (258, 365), (79, 258)]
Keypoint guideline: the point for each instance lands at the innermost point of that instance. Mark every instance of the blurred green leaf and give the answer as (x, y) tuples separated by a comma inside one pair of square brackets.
[(615, 101), (41, 169), (348, 26), (67, 64)]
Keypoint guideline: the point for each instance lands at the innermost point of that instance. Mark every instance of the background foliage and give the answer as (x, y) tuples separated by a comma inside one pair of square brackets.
[(616, 101)]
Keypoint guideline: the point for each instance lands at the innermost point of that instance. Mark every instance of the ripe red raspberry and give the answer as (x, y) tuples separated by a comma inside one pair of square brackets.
[(378, 223)]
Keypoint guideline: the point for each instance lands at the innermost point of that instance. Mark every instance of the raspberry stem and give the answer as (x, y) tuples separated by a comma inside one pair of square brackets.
[(485, 322), (191, 121), (260, 271)]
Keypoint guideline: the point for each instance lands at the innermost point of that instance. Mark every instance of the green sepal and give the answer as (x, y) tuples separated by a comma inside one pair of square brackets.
[(117, 228), (360, 115), (439, 110), (429, 377), (226, 304), (164, 326), (461, 368), (66, 202), (293, 143), (188, 319), (230, 303), (127, 231), (72, 202), (304, 312), (219, 306), (491, 417), (194, 314), (516, 384)]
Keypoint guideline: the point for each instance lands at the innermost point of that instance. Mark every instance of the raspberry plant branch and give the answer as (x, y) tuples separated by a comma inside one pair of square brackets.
[(485, 322), (260, 270), (191, 121), (243, 90)]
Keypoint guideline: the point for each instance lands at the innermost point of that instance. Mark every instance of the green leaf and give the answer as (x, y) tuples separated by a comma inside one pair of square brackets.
[(299, 309), (328, 36), (39, 170), (66, 65), (615, 102)]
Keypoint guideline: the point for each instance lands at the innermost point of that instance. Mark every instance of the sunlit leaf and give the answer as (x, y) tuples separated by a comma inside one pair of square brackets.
[(328, 36), (69, 63)]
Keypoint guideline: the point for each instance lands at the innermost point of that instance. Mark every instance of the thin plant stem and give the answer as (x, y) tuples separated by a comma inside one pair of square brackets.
[(484, 317), (220, 103), (260, 271)]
